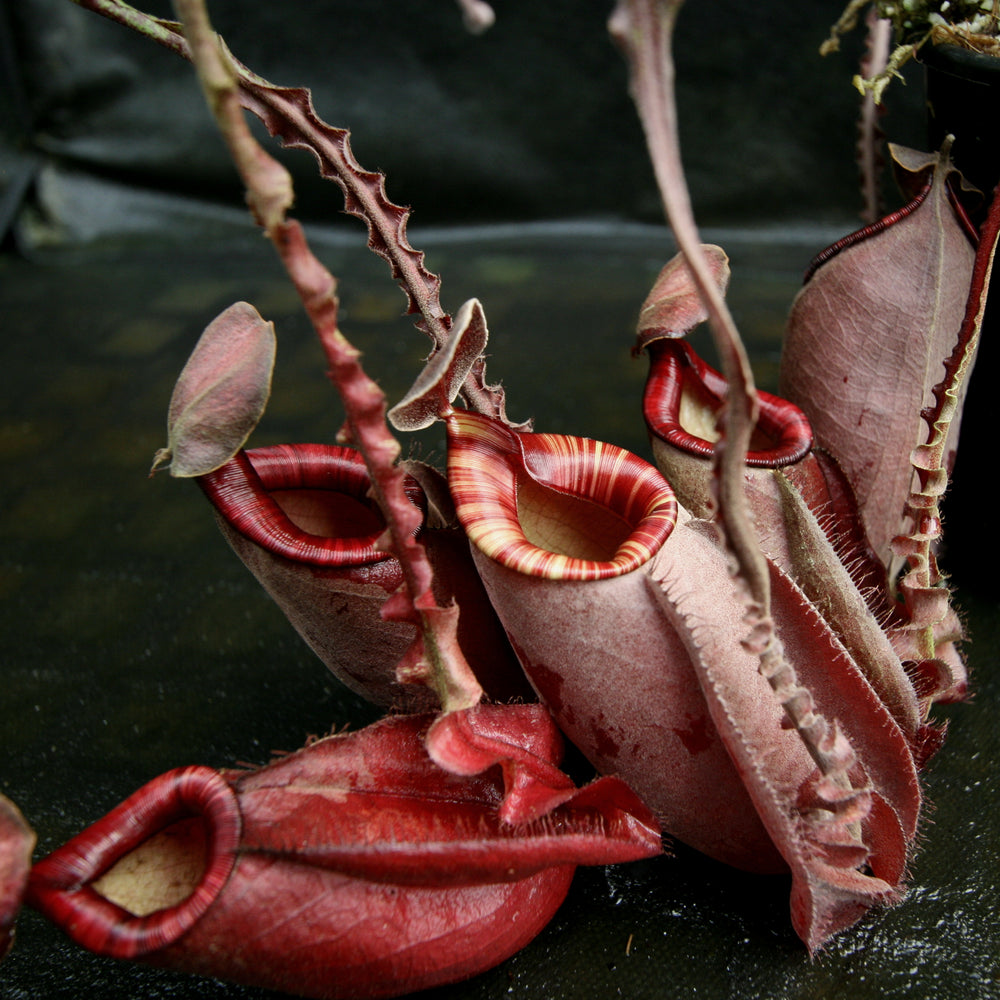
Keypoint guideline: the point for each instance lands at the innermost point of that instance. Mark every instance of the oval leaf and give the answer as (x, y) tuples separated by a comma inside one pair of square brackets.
[(673, 307), (441, 380), (221, 393)]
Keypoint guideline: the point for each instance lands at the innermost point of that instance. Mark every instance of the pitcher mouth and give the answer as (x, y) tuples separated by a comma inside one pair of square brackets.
[(306, 502), (684, 394), (64, 885), (553, 506)]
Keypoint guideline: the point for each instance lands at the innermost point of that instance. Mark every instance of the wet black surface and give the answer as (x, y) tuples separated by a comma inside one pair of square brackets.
[(133, 641)]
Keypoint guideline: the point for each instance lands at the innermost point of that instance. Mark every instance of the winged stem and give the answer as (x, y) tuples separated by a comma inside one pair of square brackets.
[(288, 114)]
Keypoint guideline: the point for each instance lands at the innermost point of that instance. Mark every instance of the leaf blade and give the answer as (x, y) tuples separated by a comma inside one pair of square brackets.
[(221, 393)]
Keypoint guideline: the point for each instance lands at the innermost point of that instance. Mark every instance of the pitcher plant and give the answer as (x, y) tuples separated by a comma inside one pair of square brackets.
[(746, 639)]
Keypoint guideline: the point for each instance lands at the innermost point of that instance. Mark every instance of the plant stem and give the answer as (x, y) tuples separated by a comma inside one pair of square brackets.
[(287, 112), (437, 660), (644, 29)]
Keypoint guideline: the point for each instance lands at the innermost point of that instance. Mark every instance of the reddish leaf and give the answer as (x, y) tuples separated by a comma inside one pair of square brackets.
[(441, 380), (867, 340), (221, 393), (301, 520), (673, 307), (16, 844)]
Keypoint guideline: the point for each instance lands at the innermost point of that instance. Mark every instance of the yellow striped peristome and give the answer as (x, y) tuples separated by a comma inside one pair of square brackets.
[(553, 506)]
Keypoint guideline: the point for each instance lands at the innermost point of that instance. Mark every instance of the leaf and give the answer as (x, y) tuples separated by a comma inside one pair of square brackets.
[(440, 382), (673, 307), (920, 588), (221, 393), (868, 337), (17, 840)]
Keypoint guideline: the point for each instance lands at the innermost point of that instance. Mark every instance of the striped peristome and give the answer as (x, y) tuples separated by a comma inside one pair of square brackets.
[(241, 491), (491, 469)]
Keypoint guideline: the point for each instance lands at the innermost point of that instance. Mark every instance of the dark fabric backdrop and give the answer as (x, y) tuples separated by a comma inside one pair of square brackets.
[(531, 120)]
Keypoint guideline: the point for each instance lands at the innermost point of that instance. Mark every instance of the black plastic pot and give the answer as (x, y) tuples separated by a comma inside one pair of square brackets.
[(962, 91), (963, 98)]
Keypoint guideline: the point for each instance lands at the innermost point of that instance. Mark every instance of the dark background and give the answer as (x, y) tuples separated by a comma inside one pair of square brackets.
[(530, 120)]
